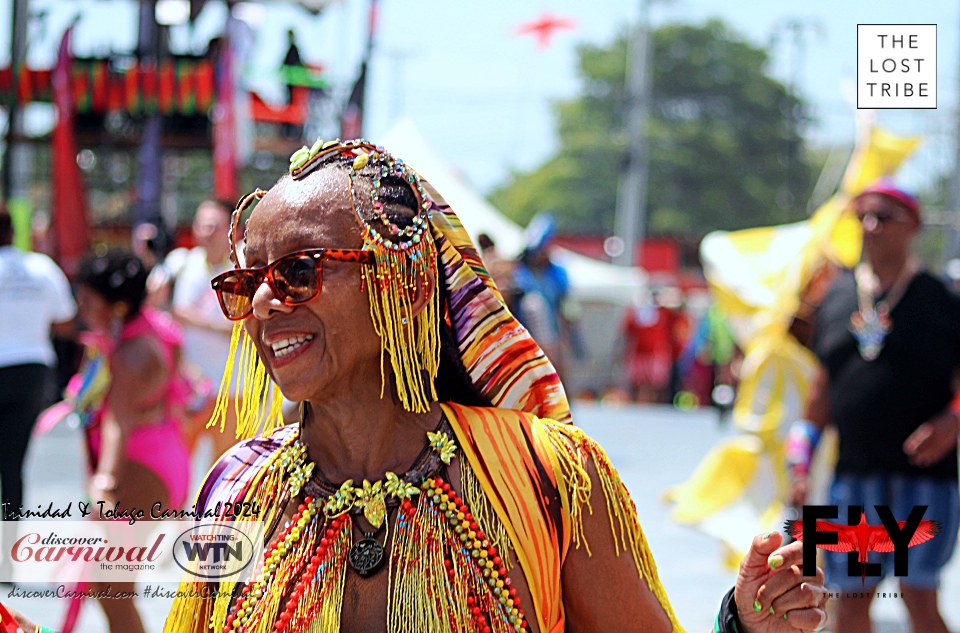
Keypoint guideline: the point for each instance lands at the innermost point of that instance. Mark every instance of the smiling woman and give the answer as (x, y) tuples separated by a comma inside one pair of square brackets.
[(484, 505), (435, 481)]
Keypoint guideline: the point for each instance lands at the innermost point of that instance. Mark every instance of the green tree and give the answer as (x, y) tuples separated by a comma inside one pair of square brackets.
[(725, 142)]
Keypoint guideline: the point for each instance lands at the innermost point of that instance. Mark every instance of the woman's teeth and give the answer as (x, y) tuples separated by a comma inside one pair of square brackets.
[(287, 345)]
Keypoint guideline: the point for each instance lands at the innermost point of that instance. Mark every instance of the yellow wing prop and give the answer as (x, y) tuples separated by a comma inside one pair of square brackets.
[(756, 277)]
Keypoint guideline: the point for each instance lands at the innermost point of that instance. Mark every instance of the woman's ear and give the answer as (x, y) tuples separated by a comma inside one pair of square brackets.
[(423, 293)]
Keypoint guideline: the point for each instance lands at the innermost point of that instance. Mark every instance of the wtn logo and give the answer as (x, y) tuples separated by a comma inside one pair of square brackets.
[(859, 538), (221, 551), (215, 551)]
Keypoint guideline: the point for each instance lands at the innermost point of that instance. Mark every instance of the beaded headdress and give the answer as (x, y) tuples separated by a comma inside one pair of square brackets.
[(405, 262), (500, 357)]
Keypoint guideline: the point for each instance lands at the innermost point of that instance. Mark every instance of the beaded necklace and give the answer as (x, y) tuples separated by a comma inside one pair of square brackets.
[(445, 574), (871, 323), (377, 499)]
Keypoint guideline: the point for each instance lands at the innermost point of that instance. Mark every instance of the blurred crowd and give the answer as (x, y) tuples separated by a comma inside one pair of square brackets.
[(131, 354), (671, 347)]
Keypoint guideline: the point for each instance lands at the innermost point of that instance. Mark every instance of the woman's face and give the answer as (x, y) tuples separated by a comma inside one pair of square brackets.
[(327, 347), (94, 310)]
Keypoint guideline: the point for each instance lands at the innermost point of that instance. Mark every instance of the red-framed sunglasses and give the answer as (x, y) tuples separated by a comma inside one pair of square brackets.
[(295, 279)]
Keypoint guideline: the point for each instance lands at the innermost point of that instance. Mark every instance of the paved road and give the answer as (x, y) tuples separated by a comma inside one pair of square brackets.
[(652, 447)]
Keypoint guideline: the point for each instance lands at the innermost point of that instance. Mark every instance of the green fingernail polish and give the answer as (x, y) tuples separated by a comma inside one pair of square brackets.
[(756, 605), (775, 561), (784, 616), (767, 535), (772, 612)]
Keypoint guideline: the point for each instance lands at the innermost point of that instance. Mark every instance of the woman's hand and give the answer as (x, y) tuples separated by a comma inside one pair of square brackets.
[(772, 595)]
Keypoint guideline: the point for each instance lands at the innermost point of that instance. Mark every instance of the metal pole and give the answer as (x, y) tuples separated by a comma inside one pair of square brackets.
[(150, 152), (632, 191), (18, 52), (951, 246)]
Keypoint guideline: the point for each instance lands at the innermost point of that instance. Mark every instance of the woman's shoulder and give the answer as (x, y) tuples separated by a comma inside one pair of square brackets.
[(236, 469), (510, 435)]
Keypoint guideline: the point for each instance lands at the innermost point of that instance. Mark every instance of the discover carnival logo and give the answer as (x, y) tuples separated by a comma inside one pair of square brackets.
[(145, 551), (53, 548)]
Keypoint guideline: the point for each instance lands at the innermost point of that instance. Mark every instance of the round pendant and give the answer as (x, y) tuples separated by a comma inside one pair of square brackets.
[(365, 556)]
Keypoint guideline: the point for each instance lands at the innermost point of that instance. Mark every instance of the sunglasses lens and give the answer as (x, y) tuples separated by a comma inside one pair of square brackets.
[(236, 294), (296, 279)]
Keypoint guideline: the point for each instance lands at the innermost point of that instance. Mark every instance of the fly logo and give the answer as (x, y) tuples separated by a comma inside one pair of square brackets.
[(859, 538)]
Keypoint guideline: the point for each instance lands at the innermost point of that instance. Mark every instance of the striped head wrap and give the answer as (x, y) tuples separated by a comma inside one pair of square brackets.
[(502, 361)]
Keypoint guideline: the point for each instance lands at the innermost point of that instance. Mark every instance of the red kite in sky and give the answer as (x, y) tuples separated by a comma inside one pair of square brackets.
[(544, 28), (863, 537)]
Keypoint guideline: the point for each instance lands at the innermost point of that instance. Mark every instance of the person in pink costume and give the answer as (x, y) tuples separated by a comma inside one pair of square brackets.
[(128, 397)]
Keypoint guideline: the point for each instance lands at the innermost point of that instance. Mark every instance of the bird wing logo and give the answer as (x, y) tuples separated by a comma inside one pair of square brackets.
[(863, 538)]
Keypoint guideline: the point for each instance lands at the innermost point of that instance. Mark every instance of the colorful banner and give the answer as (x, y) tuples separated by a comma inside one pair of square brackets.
[(184, 86)]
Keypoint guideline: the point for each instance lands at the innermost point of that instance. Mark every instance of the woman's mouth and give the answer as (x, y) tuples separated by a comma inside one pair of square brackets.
[(285, 349)]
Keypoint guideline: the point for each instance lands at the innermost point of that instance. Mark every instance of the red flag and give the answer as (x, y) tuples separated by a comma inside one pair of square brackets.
[(7, 623), (68, 195)]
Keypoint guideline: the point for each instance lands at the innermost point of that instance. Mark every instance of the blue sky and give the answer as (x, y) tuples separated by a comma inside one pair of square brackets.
[(483, 97)]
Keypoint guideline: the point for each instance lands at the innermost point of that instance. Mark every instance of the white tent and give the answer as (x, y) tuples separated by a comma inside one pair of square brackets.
[(591, 280)]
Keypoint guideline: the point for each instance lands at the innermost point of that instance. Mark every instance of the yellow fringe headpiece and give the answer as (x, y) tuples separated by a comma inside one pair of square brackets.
[(259, 403), (405, 263)]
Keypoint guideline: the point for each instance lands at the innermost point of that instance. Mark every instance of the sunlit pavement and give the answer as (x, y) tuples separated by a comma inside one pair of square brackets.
[(653, 448)]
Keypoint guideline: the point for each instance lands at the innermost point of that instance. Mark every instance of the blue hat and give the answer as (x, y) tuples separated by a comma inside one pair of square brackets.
[(542, 227)]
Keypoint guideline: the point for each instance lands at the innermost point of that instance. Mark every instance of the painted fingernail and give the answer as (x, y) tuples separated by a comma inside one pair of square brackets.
[(772, 612), (756, 605), (775, 561), (767, 535), (784, 616)]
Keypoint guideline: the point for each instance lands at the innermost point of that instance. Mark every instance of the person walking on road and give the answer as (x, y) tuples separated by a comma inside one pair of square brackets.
[(35, 301)]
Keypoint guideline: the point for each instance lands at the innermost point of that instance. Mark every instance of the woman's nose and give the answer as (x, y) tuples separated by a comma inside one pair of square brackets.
[(265, 302)]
